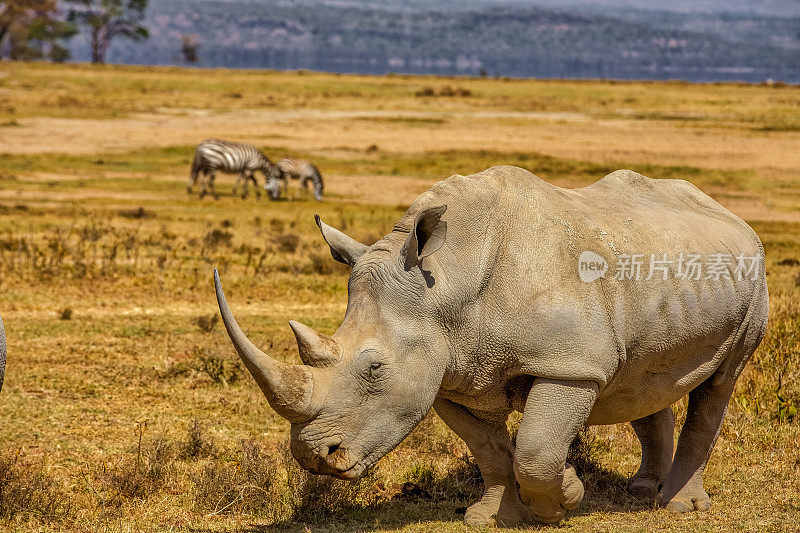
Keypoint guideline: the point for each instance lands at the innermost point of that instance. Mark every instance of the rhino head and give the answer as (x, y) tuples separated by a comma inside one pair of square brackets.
[(361, 391)]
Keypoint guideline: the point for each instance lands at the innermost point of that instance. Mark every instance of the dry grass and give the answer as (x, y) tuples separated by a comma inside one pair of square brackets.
[(125, 407)]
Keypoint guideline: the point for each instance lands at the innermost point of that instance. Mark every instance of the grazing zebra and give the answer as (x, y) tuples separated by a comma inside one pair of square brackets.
[(298, 169), (214, 155)]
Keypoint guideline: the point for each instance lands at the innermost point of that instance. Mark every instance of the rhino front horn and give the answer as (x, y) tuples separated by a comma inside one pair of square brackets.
[(288, 388), (315, 348)]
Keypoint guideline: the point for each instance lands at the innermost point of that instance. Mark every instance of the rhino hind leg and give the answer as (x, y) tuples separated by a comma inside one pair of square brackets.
[(554, 413), (655, 433), (683, 490), (491, 446)]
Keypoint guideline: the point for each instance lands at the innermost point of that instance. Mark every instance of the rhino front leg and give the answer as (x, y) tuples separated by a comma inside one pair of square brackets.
[(491, 446), (554, 413), (683, 490), (655, 433)]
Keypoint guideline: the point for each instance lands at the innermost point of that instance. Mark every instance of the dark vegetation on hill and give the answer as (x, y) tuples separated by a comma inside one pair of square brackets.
[(514, 40)]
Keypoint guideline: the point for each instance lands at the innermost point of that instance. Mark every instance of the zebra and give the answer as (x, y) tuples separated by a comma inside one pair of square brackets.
[(214, 155), (298, 169)]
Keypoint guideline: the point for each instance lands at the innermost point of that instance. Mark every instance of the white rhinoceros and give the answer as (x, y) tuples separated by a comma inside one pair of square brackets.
[(476, 304)]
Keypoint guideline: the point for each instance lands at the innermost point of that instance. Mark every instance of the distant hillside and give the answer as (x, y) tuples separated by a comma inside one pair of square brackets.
[(361, 36)]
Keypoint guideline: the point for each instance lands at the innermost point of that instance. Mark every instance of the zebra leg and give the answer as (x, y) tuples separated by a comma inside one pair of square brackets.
[(204, 184), (252, 177), (212, 186), (242, 179)]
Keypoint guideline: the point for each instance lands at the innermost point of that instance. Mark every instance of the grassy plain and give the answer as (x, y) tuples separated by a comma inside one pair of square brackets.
[(107, 297)]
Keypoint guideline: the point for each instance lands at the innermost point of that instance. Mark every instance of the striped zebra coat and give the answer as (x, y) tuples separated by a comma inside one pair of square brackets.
[(298, 169), (215, 155)]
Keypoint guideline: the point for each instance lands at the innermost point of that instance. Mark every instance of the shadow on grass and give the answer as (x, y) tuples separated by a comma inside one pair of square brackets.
[(605, 492)]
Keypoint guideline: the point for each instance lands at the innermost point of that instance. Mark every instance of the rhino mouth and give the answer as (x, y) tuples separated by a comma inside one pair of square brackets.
[(351, 473)]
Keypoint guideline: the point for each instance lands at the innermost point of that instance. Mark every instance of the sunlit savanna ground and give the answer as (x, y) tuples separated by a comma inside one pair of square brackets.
[(105, 278)]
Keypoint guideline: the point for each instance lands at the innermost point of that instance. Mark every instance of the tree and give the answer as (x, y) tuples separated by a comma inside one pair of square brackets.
[(32, 29), (107, 19), (189, 46)]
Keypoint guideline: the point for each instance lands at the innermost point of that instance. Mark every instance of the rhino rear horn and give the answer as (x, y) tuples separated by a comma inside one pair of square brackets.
[(316, 349), (426, 237), (343, 248), (288, 388)]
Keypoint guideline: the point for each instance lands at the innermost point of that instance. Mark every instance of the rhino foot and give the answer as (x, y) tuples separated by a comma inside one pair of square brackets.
[(549, 508), (644, 487), (480, 514), (688, 500), (489, 512)]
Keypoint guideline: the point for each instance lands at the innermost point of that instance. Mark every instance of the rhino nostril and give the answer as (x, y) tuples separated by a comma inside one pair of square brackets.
[(328, 448)]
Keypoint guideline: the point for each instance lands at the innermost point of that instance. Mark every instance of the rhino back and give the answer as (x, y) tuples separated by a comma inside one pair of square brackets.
[(511, 263)]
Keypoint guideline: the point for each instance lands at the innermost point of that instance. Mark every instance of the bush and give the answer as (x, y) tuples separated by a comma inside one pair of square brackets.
[(207, 323), (447, 92), (287, 242), (220, 370), (196, 445), (139, 477), (27, 490), (139, 212), (217, 237), (243, 486)]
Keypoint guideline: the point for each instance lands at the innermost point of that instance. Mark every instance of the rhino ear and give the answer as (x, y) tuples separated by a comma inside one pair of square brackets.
[(343, 248), (426, 237)]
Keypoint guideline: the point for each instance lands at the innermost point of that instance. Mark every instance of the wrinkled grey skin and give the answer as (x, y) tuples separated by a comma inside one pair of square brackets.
[(2, 353), (473, 305)]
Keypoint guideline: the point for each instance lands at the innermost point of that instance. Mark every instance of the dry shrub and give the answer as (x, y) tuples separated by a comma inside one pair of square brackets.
[(447, 92), (217, 237), (139, 212), (277, 225), (600, 483), (441, 468), (137, 477), (244, 486), (317, 498), (287, 242), (321, 264), (219, 369), (462, 482), (770, 384), (65, 313), (28, 491), (206, 323), (197, 445)]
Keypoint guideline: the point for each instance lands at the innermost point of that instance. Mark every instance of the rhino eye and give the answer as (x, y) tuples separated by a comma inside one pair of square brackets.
[(375, 370)]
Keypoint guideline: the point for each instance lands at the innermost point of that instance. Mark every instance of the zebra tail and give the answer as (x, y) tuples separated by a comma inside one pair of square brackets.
[(196, 163), (319, 185)]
